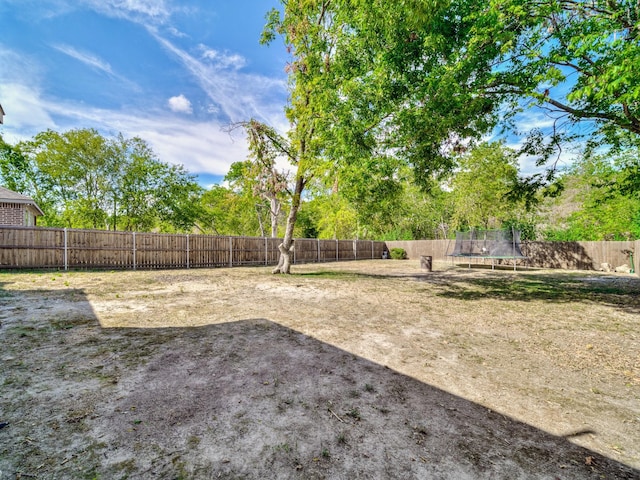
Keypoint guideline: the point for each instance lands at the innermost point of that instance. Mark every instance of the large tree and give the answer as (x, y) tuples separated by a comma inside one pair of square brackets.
[(371, 90), (593, 206), (15, 170), (228, 212), (68, 176), (374, 82), (81, 179), (481, 186), (575, 60), (259, 176)]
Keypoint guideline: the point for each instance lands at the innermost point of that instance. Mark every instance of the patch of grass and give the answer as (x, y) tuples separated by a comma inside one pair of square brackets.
[(181, 468), (333, 275), (354, 413), (479, 359), (398, 253), (62, 324), (127, 467), (369, 388), (24, 331), (193, 441), (283, 447), (16, 382)]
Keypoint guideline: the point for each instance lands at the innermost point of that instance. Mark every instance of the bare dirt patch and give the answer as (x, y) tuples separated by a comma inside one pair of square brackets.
[(371, 369)]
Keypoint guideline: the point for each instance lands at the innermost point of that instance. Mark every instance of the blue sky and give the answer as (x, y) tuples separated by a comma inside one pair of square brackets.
[(171, 72)]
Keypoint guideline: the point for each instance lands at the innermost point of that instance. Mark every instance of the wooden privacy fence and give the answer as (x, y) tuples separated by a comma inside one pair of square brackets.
[(562, 255), (61, 248)]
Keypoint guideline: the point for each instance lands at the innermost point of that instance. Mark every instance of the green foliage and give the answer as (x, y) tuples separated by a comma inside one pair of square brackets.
[(307, 222), (370, 91), (335, 216), (481, 187), (83, 180), (398, 253), (15, 171), (600, 208), (386, 97), (227, 212), (574, 59), (526, 226), (258, 176)]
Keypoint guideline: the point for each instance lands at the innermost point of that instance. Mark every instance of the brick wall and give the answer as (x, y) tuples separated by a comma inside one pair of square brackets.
[(12, 214)]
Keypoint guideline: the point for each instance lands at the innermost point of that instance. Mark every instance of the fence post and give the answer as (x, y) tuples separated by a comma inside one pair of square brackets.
[(337, 251), (294, 251), (230, 251), (187, 250), (318, 243), (134, 249), (66, 252), (266, 252), (355, 249), (372, 251)]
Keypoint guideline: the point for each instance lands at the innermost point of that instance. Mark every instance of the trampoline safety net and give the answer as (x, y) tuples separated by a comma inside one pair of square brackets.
[(488, 244)]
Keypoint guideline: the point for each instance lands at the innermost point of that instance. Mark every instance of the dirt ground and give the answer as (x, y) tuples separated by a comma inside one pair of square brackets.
[(353, 370)]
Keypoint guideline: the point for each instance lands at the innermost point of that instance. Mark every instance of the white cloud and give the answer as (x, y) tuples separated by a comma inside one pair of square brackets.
[(533, 118), (25, 111), (85, 57), (95, 62), (240, 96), (569, 154), (21, 96), (222, 60), (151, 8), (180, 104), (139, 11), (202, 147), (157, 11), (177, 33)]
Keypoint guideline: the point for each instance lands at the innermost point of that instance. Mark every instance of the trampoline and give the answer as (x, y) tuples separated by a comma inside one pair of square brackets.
[(488, 244)]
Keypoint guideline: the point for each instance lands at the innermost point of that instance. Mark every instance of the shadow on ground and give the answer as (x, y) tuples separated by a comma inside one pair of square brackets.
[(622, 293), (247, 399), (530, 285)]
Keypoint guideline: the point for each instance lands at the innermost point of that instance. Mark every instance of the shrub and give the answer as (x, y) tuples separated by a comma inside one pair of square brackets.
[(398, 253)]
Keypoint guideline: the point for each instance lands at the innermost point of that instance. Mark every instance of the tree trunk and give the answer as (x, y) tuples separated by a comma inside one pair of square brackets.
[(275, 214), (286, 247), (262, 232)]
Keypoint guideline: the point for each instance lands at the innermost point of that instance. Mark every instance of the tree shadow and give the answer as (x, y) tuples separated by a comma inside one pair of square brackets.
[(564, 255), (530, 285), (615, 291), (245, 399)]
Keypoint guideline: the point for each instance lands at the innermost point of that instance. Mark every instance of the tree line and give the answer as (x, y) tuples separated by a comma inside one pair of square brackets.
[(81, 179), (389, 105)]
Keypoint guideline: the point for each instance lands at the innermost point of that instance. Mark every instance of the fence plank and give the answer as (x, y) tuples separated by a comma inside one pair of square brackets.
[(38, 247), (561, 255)]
